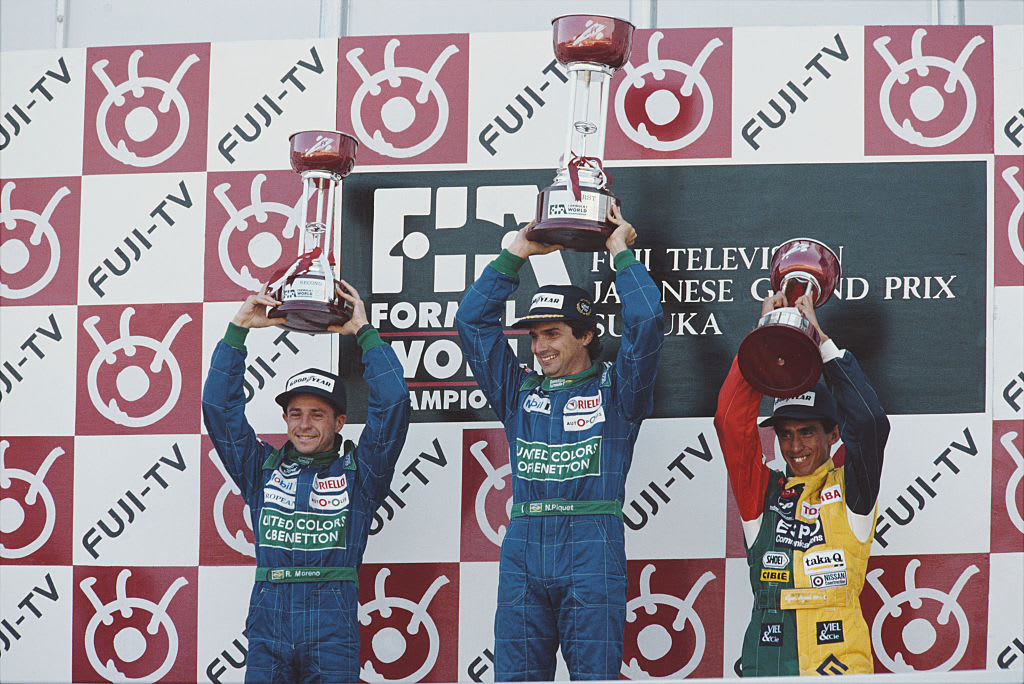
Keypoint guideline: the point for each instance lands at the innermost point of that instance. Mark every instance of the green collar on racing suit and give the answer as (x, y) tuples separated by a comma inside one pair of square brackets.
[(322, 458), (564, 382)]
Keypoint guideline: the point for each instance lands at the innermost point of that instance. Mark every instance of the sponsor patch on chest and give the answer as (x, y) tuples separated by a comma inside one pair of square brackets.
[(540, 461), (278, 498), (831, 494), (282, 481), (775, 560), (329, 501), (808, 510), (583, 404), (582, 421), (774, 575), (824, 561), (798, 535), (534, 403), (329, 485)]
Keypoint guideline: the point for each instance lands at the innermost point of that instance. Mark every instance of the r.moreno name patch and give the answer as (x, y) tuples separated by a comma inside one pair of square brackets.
[(301, 530), (540, 461)]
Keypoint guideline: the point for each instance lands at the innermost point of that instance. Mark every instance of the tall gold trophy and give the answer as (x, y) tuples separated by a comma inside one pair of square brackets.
[(572, 210), (306, 289)]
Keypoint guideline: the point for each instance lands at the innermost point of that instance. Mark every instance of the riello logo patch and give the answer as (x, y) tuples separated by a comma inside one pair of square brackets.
[(409, 623), (674, 619), (146, 108), (928, 90), (486, 493), (139, 369), (927, 613), (36, 499), (39, 222), (134, 624), (405, 97), (673, 99), (253, 230)]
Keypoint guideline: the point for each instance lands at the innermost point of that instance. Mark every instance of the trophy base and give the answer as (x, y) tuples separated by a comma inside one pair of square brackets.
[(577, 225), (780, 360), (311, 317)]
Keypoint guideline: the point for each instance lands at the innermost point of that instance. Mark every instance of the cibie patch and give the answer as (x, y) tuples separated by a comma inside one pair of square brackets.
[(307, 379), (545, 300), (582, 421), (774, 575)]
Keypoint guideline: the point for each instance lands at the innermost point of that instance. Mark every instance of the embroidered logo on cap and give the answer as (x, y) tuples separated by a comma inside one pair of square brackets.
[(805, 399)]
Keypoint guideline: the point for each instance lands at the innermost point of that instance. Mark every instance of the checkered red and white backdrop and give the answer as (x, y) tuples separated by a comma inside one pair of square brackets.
[(145, 190)]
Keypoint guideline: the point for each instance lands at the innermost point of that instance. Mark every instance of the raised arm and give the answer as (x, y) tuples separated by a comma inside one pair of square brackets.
[(643, 324), (478, 320)]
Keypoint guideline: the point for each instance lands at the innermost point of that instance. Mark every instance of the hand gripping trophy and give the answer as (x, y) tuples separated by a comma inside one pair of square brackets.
[(572, 211), (306, 289), (780, 356)]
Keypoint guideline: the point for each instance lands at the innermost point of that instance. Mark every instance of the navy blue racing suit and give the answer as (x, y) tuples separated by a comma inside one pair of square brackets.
[(562, 575), (310, 521)]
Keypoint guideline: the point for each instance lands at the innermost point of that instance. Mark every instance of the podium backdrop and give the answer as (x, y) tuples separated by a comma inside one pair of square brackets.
[(145, 190)]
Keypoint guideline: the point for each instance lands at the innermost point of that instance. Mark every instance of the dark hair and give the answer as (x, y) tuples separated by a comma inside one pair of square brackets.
[(581, 328)]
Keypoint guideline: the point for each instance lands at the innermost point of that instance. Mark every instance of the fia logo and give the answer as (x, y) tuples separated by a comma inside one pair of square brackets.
[(135, 381), (929, 100), (654, 103), (916, 623), (131, 638), (391, 245), (14, 510), (385, 99), (399, 645), (656, 639), (251, 251), (239, 541), (16, 258), (143, 115)]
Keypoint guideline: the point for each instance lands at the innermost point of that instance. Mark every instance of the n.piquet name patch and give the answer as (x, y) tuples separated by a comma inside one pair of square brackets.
[(540, 461), (301, 530)]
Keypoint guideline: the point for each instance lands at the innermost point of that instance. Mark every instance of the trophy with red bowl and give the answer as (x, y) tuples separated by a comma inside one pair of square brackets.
[(306, 288), (572, 211), (780, 357)]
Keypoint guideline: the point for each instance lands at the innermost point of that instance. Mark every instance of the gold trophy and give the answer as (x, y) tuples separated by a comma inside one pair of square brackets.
[(306, 289), (572, 211), (780, 357)]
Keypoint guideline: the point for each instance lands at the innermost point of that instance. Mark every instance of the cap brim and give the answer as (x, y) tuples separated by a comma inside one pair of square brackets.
[(526, 321), (283, 398)]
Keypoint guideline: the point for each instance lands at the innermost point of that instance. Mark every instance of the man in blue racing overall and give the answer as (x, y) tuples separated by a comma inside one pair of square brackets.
[(570, 430), (311, 501)]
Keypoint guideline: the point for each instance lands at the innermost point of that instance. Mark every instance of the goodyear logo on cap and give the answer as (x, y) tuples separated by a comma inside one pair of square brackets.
[(307, 379), (546, 300), (805, 399)]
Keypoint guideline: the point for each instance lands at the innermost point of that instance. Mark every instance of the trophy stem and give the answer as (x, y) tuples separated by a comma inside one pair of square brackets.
[(574, 77)]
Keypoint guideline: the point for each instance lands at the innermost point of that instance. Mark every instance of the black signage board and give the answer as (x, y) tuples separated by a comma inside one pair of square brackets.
[(911, 304)]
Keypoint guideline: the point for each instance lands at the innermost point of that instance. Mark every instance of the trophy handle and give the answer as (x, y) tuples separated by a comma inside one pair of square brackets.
[(795, 284)]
